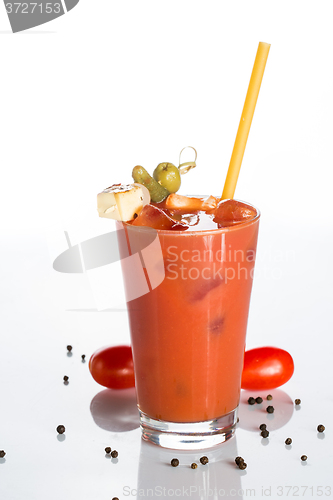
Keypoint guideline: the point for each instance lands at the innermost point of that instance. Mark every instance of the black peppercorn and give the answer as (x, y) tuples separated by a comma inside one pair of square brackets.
[(242, 465), (83, 356), (115, 498), (304, 458), (61, 429), (320, 428), (270, 409), (239, 460), (175, 462), (114, 454), (288, 441), (194, 465), (259, 400), (297, 402), (204, 460), (264, 433), (269, 397), (2, 453), (108, 450), (69, 348), (66, 378), (251, 401), (262, 427)]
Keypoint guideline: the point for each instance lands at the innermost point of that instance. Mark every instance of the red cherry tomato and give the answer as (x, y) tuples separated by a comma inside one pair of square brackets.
[(266, 368), (112, 367)]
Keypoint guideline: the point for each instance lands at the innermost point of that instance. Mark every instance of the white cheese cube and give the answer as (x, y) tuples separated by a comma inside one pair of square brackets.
[(122, 201)]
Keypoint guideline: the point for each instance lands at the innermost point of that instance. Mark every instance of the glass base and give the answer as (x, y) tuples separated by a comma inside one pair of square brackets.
[(188, 435)]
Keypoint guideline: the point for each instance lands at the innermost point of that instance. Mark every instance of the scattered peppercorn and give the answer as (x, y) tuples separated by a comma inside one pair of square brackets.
[(61, 429), (242, 465), (269, 397), (175, 462), (320, 428), (270, 409), (194, 465), (108, 450), (297, 402), (239, 460), (66, 378), (288, 441), (303, 458), (69, 348), (83, 356), (251, 401), (204, 460), (264, 433), (2, 453), (262, 427), (115, 498), (259, 400), (114, 454)]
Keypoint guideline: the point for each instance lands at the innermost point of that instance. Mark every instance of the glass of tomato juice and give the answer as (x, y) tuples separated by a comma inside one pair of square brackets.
[(188, 295)]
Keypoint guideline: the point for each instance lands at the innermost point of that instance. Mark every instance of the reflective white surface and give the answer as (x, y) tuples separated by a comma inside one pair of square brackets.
[(39, 464)]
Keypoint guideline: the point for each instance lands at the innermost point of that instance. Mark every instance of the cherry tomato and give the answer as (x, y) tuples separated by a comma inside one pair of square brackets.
[(112, 367), (266, 368)]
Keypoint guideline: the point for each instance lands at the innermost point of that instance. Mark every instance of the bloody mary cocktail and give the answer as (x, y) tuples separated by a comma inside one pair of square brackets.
[(188, 333)]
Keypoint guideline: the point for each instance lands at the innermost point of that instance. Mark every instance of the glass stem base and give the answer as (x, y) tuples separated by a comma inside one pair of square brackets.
[(188, 435)]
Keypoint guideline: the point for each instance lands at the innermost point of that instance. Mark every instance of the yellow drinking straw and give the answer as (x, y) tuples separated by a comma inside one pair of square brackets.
[(245, 121)]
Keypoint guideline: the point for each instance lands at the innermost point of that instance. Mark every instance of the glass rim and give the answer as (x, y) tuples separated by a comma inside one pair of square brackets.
[(224, 229)]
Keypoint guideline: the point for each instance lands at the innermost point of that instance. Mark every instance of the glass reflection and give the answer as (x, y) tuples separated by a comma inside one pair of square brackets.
[(115, 410), (219, 478), (251, 416)]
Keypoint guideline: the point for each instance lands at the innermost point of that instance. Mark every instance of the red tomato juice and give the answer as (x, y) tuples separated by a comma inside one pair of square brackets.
[(188, 333)]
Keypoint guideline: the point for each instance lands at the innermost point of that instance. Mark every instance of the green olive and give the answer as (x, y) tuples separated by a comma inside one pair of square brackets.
[(168, 176)]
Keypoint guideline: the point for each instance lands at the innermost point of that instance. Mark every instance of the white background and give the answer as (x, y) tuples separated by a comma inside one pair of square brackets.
[(114, 84)]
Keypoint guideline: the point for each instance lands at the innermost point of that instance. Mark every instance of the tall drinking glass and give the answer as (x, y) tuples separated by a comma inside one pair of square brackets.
[(188, 295)]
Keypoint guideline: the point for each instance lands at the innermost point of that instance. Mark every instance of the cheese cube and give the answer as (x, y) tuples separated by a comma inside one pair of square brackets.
[(121, 201)]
